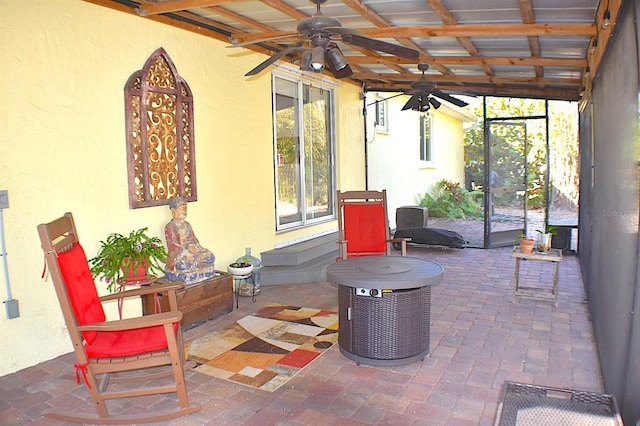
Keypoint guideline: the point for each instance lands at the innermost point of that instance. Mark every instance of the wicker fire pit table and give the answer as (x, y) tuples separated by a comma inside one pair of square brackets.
[(384, 307)]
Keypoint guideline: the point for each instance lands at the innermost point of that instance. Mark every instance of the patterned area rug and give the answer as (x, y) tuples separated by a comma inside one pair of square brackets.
[(266, 349)]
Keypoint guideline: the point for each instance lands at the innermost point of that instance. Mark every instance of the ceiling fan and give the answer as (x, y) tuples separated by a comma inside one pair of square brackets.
[(422, 94), (318, 35)]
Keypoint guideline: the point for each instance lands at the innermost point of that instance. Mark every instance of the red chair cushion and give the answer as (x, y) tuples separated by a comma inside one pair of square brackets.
[(81, 289), (128, 342), (364, 228)]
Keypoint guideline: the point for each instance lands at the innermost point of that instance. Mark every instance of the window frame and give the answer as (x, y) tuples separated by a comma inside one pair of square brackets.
[(316, 84), (426, 138), (382, 116)]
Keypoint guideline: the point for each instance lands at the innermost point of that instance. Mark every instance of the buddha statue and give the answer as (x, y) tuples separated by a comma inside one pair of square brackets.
[(188, 261)]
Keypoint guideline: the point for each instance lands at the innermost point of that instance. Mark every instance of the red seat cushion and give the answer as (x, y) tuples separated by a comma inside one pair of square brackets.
[(364, 228), (86, 305), (81, 288), (128, 342)]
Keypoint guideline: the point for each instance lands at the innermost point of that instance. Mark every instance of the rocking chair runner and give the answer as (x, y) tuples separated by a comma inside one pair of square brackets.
[(363, 225), (111, 350)]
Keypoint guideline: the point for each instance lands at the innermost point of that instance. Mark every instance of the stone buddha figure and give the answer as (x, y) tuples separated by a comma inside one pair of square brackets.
[(188, 261)]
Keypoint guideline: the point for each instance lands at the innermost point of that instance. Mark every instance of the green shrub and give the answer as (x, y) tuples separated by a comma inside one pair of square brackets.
[(449, 199)]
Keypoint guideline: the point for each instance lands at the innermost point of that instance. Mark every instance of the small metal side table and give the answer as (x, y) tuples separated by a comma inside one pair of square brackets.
[(384, 307), (553, 255), (240, 284), (123, 284)]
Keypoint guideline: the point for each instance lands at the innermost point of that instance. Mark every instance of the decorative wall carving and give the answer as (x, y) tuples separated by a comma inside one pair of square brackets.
[(160, 143)]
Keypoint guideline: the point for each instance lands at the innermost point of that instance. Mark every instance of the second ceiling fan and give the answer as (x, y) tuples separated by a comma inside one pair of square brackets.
[(318, 35), (422, 94)]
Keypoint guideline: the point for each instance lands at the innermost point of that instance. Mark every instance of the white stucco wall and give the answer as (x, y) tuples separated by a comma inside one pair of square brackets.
[(394, 157)]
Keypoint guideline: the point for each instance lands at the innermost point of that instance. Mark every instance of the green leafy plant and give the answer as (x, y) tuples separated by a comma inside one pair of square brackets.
[(119, 254), (244, 263), (449, 199), (549, 229), (521, 236)]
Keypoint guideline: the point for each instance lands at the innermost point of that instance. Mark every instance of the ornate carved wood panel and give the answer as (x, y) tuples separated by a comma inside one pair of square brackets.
[(160, 143)]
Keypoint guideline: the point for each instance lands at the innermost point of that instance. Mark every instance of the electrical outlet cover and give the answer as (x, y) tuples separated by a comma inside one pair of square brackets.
[(13, 311), (4, 199)]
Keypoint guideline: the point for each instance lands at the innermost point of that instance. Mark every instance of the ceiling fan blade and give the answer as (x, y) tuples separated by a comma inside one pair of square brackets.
[(449, 98), (412, 103), (263, 40), (382, 46), (340, 30), (284, 52)]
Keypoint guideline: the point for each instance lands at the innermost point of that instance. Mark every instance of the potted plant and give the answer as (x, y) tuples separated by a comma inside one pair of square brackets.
[(243, 267), (526, 243), (544, 238), (128, 258)]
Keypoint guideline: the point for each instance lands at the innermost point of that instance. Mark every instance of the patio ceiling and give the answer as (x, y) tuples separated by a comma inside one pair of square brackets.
[(522, 48)]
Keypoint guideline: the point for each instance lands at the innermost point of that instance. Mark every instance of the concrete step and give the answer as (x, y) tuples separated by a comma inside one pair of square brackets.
[(308, 272), (300, 253), (303, 262)]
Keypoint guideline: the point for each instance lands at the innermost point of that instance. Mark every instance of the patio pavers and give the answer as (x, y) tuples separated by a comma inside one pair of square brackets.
[(480, 337)]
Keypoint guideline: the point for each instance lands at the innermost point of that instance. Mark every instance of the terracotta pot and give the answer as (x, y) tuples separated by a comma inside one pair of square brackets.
[(526, 245), (136, 271)]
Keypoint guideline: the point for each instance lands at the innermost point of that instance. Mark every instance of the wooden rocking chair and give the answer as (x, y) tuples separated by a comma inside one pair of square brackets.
[(363, 225), (119, 352)]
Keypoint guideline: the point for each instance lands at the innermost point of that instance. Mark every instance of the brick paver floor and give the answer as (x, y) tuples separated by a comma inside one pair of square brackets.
[(480, 337)]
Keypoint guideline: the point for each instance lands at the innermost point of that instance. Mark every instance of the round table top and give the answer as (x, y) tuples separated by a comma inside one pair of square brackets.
[(385, 272)]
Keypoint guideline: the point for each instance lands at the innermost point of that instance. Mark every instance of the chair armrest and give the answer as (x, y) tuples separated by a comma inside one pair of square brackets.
[(403, 244), (133, 323), (399, 240), (145, 289)]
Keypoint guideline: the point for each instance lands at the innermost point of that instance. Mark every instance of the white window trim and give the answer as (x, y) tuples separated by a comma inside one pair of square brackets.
[(382, 108), (288, 72), (427, 164)]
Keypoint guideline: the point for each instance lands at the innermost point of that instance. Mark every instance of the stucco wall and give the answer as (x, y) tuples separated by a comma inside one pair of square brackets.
[(62, 145), (394, 157)]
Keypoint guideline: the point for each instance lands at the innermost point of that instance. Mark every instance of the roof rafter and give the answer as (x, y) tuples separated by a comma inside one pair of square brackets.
[(447, 18), (467, 30), (556, 70)]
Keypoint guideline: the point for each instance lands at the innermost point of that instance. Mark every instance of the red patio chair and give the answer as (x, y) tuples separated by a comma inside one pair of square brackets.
[(113, 355), (363, 225)]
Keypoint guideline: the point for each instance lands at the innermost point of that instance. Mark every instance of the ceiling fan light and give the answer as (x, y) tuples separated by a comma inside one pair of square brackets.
[(337, 59), (436, 104), (306, 61), (317, 59)]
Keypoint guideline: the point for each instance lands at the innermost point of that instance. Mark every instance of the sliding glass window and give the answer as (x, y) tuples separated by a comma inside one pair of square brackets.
[(304, 153)]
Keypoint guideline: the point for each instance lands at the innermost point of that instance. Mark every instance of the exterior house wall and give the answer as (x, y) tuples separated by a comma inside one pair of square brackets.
[(63, 148), (394, 157)]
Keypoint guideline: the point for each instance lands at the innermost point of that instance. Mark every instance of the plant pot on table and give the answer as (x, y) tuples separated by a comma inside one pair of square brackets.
[(526, 245), (240, 269)]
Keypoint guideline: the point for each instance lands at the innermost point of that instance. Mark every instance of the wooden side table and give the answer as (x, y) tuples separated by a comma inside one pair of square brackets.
[(553, 255), (198, 302)]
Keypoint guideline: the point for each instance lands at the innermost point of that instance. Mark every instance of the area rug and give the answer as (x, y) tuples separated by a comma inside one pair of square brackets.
[(530, 405), (266, 349)]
